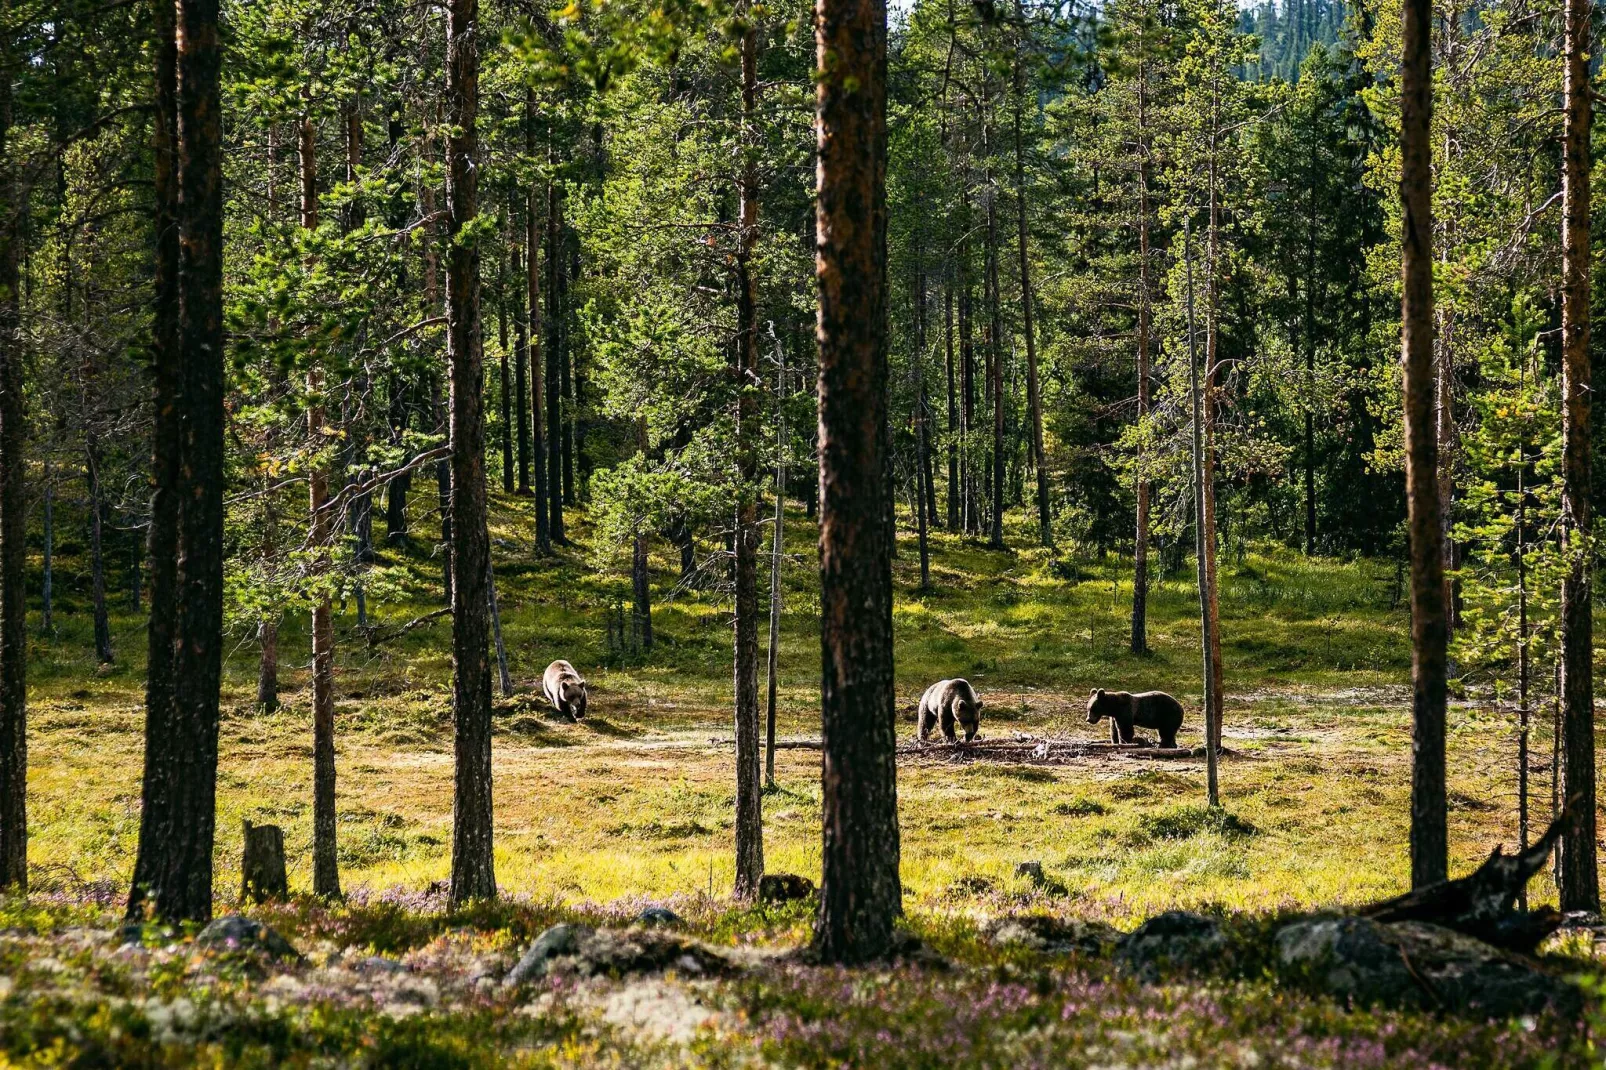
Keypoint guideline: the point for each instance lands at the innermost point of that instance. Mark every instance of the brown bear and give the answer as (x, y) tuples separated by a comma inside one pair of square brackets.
[(1146, 709), (565, 689), (946, 702)]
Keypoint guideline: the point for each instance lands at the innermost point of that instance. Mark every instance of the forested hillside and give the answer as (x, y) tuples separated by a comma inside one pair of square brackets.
[(592, 521)]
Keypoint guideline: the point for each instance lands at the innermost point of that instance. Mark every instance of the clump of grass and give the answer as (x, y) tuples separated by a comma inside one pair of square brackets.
[(1079, 808), (1185, 822)]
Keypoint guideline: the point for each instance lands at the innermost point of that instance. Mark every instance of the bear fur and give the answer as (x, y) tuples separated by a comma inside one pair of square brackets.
[(565, 689), (1146, 709), (947, 702)]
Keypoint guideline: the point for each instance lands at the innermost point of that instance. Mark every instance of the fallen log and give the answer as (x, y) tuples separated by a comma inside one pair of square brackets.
[(1483, 903)]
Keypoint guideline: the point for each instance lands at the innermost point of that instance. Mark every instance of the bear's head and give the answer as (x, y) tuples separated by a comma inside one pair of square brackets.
[(1098, 706), (967, 711), (575, 696)]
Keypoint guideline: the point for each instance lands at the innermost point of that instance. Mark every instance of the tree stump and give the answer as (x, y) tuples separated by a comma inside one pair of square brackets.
[(262, 866)]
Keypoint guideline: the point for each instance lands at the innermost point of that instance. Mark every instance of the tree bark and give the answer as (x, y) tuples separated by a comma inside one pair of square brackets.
[(1034, 398), (777, 548), (860, 891), (521, 377), (325, 863), (922, 441), (504, 378), (1429, 628), (47, 585), (1580, 884), (1202, 530), (749, 743), (473, 874), (1139, 643), (967, 362), (953, 409), (640, 574), (554, 347), (995, 365), (532, 286), (97, 557), (173, 869), (1215, 691), (13, 515)]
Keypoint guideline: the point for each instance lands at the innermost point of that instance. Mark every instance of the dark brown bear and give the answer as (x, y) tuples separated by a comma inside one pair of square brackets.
[(947, 702), (1146, 709)]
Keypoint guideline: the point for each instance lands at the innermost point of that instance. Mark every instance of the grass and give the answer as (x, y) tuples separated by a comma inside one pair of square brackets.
[(635, 804)]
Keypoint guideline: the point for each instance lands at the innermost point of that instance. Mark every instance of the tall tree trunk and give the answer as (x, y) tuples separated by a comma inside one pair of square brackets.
[(505, 370), (97, 557), (1203, 531), (47, 586), (640, 575), (1139, 643), (325, 862), (565, 357), (396, 490), (14, 502), (995, 366), (1034, 398), (1310, 374), (777, 548), (860, 891), (521, 378), (1216, 697), (502, 674), (473, 875), (749, 742), (554, 348), (967, 363), (1429, 628), (533, 214), (173, 869), (953, 409), (1580, 885), (922, 444)]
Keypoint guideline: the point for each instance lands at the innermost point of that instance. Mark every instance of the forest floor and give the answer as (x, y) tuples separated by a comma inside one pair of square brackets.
[(632, 807)]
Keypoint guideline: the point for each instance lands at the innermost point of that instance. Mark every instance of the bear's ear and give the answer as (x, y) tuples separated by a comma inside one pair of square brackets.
[(1098, 692)]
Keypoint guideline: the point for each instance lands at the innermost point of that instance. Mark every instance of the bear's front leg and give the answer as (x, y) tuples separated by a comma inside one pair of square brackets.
[(948, 730), (1115, 731)]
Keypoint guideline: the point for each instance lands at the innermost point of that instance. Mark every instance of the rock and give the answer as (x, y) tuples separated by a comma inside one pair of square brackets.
[(585, 952), (1050, 935), (560, 939), (1412, 964), (235, 932), (378, 964), (1177, 941), (129, 933), (658, 916), (784, 888)]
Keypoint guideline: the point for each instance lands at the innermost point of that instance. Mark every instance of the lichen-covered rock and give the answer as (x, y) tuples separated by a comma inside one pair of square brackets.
[(582, 951), (1177, 941), (234, 932), (1051, 935), (1413, 964)]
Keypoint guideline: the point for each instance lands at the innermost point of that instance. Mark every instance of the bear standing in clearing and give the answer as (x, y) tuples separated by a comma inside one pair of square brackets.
[(566, 690), (946, 702), (1146, 709)]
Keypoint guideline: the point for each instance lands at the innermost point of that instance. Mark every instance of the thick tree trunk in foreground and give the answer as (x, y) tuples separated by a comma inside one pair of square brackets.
[(13, 521), (860, 892), (1429, 628), (1580, 882), (473, 875), (749, 742), (173, 870)]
